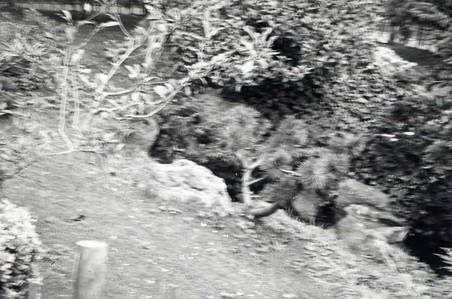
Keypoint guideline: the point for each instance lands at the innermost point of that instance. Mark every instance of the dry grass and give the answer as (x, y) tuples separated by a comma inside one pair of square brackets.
[(385, 272)]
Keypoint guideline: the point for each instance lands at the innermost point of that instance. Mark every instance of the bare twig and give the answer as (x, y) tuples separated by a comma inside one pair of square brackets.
[(121, 92), (88, 38), (64, 100), (290, 172), (74, 150), (121, 24), (256, 181), (166, 101), (76, 116), (132, 47)]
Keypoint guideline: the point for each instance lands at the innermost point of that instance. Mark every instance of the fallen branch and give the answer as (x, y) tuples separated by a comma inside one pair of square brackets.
[(264, 212)]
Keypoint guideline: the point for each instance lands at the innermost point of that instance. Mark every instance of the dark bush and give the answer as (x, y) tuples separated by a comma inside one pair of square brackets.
[(410, 158), (19, 245)]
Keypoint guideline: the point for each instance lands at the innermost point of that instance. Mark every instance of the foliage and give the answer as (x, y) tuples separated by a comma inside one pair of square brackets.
[(242, 38), (429, 21), (409, 14), (315, 46), (447, 257), (28, 51), (400, 276), (309, 172), (322, 170), (205, 121), (19, 245), (408, 157)]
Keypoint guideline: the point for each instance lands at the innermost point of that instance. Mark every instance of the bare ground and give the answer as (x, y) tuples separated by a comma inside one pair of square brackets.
[(154, 245)]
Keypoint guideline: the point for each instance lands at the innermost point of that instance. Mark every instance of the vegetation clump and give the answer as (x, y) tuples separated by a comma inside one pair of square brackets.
[(28, 52), (19, 246), (408, 158), (310, 52)]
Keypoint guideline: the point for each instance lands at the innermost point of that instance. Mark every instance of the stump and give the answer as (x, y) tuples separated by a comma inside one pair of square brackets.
[(91, 269)]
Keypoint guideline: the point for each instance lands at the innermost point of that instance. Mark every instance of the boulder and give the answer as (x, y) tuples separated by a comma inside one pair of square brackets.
[(351, 191), (390, 63), (306, 205), (186, 181), (361, 227), (143, 137)]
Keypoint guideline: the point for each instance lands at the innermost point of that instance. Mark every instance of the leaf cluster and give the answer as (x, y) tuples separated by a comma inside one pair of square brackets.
[(19, 245), (28, 51), (410, 158), (318, 48)]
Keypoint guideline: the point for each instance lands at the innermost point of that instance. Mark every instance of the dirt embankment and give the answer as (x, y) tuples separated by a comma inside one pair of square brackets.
[(153, 244)]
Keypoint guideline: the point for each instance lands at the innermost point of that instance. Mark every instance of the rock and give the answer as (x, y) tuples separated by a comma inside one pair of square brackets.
[(389, 62), (224, 165), (351, 191), (305, 204), (143, 137), (185, 180), (281, 222), (393, 234), (361, 227), (352, 230)]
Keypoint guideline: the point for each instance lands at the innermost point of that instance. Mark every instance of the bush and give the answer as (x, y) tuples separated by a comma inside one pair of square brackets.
[(252, 41), (19, 245), (306, 51), (28, 50), (409, 158)]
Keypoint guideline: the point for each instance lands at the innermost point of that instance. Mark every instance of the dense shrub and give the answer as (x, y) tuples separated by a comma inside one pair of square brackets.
[(410, 159), (28, 50), (19, 245), (316, 47), (281, 41), (311, 51)]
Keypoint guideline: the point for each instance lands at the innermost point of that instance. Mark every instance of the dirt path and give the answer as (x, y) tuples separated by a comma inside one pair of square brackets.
[(152, 244)]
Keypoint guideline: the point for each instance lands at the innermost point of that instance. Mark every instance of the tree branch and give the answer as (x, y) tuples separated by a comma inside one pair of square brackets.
[(264, 212)]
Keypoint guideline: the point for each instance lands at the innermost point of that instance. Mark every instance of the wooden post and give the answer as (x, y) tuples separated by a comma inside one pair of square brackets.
[(91, 269)]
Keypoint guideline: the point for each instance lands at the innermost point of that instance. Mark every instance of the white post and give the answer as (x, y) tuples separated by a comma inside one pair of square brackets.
[(91, 269)]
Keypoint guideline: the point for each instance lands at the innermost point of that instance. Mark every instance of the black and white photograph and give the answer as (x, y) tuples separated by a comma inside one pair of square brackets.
[(225, 149)]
